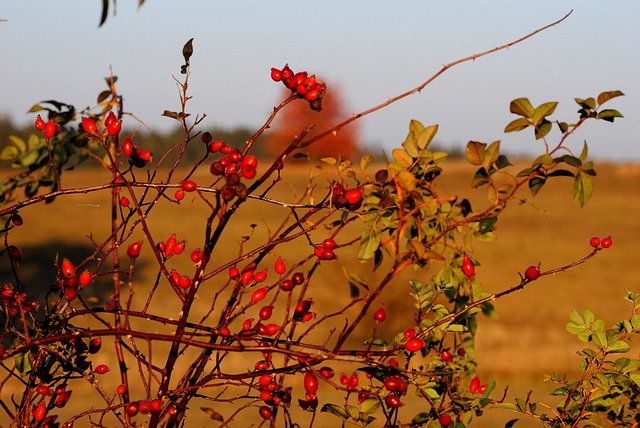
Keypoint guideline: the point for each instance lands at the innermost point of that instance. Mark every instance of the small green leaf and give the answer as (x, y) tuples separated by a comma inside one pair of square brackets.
[(517, 125), (585, 152), (522, 107), (487, 225), (607, 95), (505, 406), (336, 410), (588, 103), (369, 243), (103, 96), (426, 136), (609, 115), (407, 180), (480, 178), (19, 143), (536, 183), (571, 160), (543, 129), (491, 154), (421, 418), (187, 51), (564, 127), (475, 152), (330, 161), (370, 405), (543, 110), (402, 158), (582, 188), (174, 115), (365, 161), (9, 153)]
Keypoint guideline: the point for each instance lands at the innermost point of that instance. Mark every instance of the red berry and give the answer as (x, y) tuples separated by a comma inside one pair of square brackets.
[(51, 129), (446, 356), (40, 125), (260, 276), (326, 372), (474, 385), (144, 407), (445, 420), (297, 278), (44, 390), (131, 409), (179, 195), (532, 273), (110, 119), (310, 382), (482, 388), (39, 412), (127, 147), (414, 345), (94, 345), (89, 125), (196, 255), (102, 369), (409, 333), (265, 312), (353, 196), (380, 315), (134, 250), (392, 401), (15, 253), (265, 412), (276, 74), (468, 267), (67, 268), (287, 285), (206, 137), (156, 405), (329, 244), (178, 247), (259, 294), (113, 129), (124, 202), (215, 146), (121, 389), (594, 242), (189, 185), (279, 266), (607, 242), (234, 273), (328, 254)]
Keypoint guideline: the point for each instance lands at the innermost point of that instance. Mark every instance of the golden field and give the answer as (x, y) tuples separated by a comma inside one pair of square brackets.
[(529, 338)]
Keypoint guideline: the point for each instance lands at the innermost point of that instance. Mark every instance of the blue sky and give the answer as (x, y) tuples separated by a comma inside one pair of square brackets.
[(52, 49)]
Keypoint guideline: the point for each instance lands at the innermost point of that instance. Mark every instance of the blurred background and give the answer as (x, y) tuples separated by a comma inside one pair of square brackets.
[(368, 51)]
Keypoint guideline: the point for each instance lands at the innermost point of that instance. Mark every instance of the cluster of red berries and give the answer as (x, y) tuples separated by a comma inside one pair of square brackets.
[(272, 394), (413, 344), (60, 397), (70, 282), (325, 251), (112, 125), (396, 387), (350, 199), (137, 156), (302, 85), (288, 284), (143, 407), (351, 382), (248, 276), (476, 387), (171, 246), (15, 303), (596, 242), (233, 165), (302, 312), (50, 129)]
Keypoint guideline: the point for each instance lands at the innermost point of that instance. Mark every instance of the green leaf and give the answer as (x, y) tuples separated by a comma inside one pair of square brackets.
[(543, 110), (487, 225), (522, 107), (330, 161), (19, 143), (585, 152), (9, 153), (536, 183), (23, 365), (571, 160), (564, 127), (336, 410), (582, 188), (365, 161), (588, 103), (407, 180), (402, 158), (475, 152), (426, 136), (607, 95), (370, 405), (421, 418), (415, 127), (369, 243), (187, 51), (174, 115), (609, 115), (491, 154), (505, 406), (543, 129), (480, 178), (517, 125)]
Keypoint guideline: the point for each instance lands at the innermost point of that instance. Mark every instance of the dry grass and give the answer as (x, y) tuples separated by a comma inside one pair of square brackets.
[(529, 338)]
